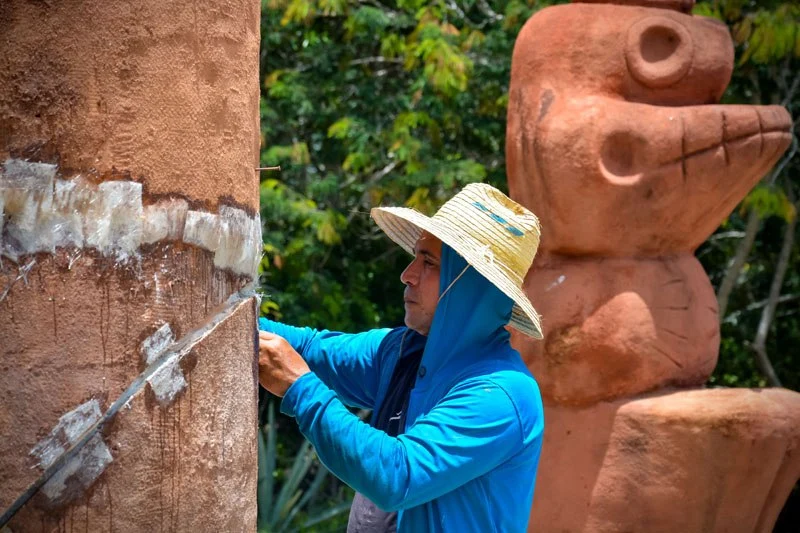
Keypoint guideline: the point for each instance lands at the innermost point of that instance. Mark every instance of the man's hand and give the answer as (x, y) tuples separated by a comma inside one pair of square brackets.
[(279, 365)]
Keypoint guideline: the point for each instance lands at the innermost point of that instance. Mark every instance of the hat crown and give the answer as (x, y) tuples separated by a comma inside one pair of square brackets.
[(507, 232)]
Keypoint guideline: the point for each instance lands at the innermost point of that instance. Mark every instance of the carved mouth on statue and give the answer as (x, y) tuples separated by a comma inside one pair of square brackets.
[(744, 139)]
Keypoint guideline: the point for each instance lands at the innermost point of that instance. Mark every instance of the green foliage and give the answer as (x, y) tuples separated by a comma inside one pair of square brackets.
[(285, 496), (769, 201), (368, 103), (402, 102), (767, 39), (766, 32), (737, 366)]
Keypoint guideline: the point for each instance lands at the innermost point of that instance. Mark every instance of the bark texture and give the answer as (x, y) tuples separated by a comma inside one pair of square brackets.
[(128, 142)]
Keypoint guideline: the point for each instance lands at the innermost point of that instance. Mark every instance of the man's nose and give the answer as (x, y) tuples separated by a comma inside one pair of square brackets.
[(410, 275)]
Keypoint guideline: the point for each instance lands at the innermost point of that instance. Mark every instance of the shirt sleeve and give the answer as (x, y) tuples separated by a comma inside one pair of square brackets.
[(471, 431), (347, 363)]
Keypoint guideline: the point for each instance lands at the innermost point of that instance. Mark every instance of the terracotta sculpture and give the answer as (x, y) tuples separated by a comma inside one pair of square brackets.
[(129, 236), (615, 141)]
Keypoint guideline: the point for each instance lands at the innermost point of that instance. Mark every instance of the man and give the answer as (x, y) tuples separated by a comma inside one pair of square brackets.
[(456, 432)]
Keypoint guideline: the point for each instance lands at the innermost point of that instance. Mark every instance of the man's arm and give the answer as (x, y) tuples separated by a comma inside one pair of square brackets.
[(347, 363), (475, 428)]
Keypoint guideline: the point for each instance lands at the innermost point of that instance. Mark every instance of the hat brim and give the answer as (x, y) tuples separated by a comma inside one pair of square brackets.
[(404, 226)]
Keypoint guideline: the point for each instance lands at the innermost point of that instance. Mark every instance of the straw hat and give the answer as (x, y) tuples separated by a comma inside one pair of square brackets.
[(493, 233)]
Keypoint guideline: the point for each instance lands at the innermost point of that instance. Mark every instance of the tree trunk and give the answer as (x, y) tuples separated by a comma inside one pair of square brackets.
[(768, 313), (128, 142), (735, 268)]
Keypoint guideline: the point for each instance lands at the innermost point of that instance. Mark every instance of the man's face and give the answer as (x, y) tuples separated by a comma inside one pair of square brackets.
[(421, 278)]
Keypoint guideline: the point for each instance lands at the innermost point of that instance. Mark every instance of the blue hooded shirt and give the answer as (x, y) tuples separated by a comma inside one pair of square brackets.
[(467, 458)]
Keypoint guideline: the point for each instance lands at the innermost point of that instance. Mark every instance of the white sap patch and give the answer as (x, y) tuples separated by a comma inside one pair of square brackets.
[(31, 227), (164, 221), (155, 344), (240, 241), (70, 199), (113, 222), (154, 227), (66, 432), (168, 381), (42, 213), (80, 471), (86, 465), (27, 191), (126, 219), (202, 229), (2, 209), (21, 174)]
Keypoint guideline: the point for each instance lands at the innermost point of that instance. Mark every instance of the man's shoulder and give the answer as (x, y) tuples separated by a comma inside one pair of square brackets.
[(518, 390), (519, 385), (524, 395), (506, 369)]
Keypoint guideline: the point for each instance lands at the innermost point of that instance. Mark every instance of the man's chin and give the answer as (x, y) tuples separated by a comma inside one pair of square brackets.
[(414, 325)]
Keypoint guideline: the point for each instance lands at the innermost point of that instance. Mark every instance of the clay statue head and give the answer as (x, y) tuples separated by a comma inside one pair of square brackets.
[(616, 141), (613, 137)]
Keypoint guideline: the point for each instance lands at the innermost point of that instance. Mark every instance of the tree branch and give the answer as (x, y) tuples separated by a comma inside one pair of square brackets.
[(785, 161), (731, 318), (455, 7), (488, 11), (791, 90), (391, 13), (735, 267), (379, 175), (767, 314), (727, 235), (376, 59), (372, 180)]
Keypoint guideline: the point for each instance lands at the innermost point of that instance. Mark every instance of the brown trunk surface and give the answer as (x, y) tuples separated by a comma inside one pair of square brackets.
[(161, 99)]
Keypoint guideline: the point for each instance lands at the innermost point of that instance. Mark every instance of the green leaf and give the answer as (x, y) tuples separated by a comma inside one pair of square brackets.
[(366, 19), (341, 128), (742, 31), (707, 10), (392, 46), (266, 466), (326, 231), (308, 495), (300, 466), (270, 308), (297, 11), (333, 7), (475, 38), (769, 201), (326, 515), (356, 162)]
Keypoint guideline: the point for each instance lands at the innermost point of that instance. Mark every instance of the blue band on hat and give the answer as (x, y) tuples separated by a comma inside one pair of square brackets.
[(497, 218)]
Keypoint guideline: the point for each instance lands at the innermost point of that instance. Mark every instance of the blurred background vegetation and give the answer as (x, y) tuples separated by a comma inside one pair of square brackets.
[(402, 102)]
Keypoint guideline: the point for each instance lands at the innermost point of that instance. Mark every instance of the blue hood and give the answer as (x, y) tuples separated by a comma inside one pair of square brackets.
[(470, 318)]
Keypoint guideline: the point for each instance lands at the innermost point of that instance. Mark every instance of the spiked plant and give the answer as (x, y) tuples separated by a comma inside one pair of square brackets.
[(278, 506)]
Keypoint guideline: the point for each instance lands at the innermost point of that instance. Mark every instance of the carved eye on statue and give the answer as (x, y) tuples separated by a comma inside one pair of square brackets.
[(659, 51)]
